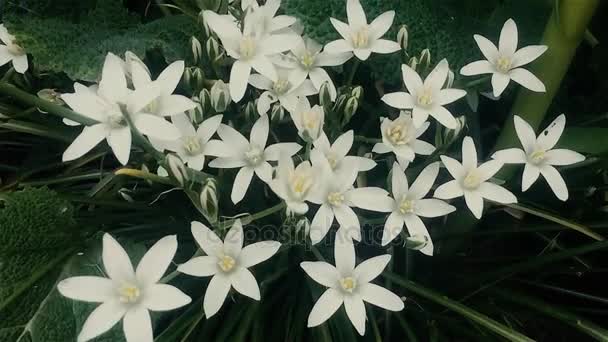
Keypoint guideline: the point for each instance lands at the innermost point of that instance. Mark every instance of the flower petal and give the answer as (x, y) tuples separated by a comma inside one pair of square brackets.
[(550, 135), (201, 266), (164, 297), (379, 296), (385, 46), (156, 126), (477, 68), (239, 75), (362, 54), (355, 13), (87, 289), (525, 133), (530, 175), (102, 319), (338, 46), (436, 78), (120, 143), (274, 152), (412, 80), (507, 43), (344, 254), (488, 49), (156, 261), (444, 117), (454, 167), (379, 26), (556, 182), (488, 169), (399, 184), (170, 77), (416, 227), (258, 252), (244, 283), (392, 227), (137, 325), (216, 293), (232, 138), (431, 207), (563, 157), (342, 28), (259, 131), (469, 154), (423, 184), (116, 261), (343, 143), (347, 218), (90, 137), (207, 240), (527, 54), (510, 156), (113, 84), (370, 198), (500, 82), (399, 100), (527, 80), (321, 223), (475, 203), (423, 147), (355, 310), (371, 268), (265, 67), (233, 242), (329, 302), (321, 272), (173, 104), (496, 193), (447, 96), (328, 59)]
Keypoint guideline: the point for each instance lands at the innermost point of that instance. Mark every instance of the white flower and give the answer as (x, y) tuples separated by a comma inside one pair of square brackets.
[(251, 155), (265, 15), (505, 62), (400, 136), (83, 92), (10, 51), (336, 153), (349, 285), (426, 98), (471, 181), (295, 185), (228, 263), (307, 60), (281, 90), (359, 37), (309, 121), (126, 294), (112, 101), (250, 48), (247, 4), (166, 103), (539, 156), (194, 144), (337, 197), (409, 205)]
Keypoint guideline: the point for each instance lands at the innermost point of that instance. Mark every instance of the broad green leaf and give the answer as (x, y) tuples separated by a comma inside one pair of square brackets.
[(592, 140)]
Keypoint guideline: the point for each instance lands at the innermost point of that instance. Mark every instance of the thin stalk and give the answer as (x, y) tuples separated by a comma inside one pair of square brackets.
[(247, 219), (353, 71), (144, 175), (58, 180)]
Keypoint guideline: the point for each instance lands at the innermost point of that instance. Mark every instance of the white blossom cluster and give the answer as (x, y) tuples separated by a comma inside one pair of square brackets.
[(290, 71)]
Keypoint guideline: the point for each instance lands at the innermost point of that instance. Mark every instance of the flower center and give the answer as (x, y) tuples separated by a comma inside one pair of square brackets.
[(307, 60), (335, 198), (398, 134), (332, 160), (151, 107), (129, 293), (254, 155), (116, 120), (14, 49), (300, 183), (281, 86), (425, 98), (247, 47), (407, 206), (503, 64), (349, 284), (537, 157), (361, 38), (471, 180), (226, 263), (192, 145)]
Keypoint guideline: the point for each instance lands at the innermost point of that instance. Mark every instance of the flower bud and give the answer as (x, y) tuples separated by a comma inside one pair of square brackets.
[(220, 96), (205, 99), (197, 50), (177, 169), (416, 242), (303, 223), (277, 113), (450, 134), (340, 102), (403, 37), (425, 58), (126, 194), (413, 63), (357, 92), (350, 108), (213, 49), (51, 95), (251, 112), (450, 79), (194, 77), (196, 113), (208, 198), (325, 94)]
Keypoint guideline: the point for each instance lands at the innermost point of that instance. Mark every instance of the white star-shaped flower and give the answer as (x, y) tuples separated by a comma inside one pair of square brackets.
[(359, 37), (400, 136), (471, 181), (251, 48), (166, 103), (228, 263), (539, 156), (267, 17), (308, 120), (194, 144), (295, 185), (337, 197), (409, 205), (426, 98), (281, 90), (337, 153), (505, 62), (11, 51), (349, 285), (126, 294), (251, 155), (112, 101)]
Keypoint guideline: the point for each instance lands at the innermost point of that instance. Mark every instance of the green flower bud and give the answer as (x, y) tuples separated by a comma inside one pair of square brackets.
[(350, 109), (416, 242), (251, 112), (212, 48), (403, 37), (450, 79), (209, 200), (196, 114), (205, 99), (277, 113), (325, 94), (357, 92), (413, 63), (220, 96), (197, 49), (425, 58), (51, 95), (177, 169), (194, 77)]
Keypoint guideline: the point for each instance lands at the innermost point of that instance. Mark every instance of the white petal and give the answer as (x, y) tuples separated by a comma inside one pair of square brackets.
[(436, 78), (385, 46), (137, 325), (342, 28), (280, 22), (140, 76), (260, 82), (343, 143), (444, 117), (381, 148), (416, 227), (87, 288), (475, 203), (550, 136), (469, 154), (510, 156), (338, 46), (239, 75), (362, 54), (225, 28), (382, 24), (399, 100), (258, 252), (556, 182), (412, 80), (496, 193), (20, 63), (563, 157), (244, 282), (264, 172), (208, 127), (420, 115), (183, 124), (228, 163), (488, 49), (202, 266), (232, 137), (318, 76), (218, 148), (527, 54), (321, 223), (399, 183), (525, 133), (456, 169), (447, 96), (265, 67), (156, 261), (101, 320), (355, 310), (170, 77), (344, 254), (277, 43), (477, 68), (207, 240), (371, 268), (527, 80), (346, 217), (363, 164), (381, 297), (433, 208), (488, 169), (329, 302), (233, 242), (370, 198), (355, 13), (507, 43), (156, 126), (274, 152), (5, 55), (499, 83), (423, 147), (173, 104), (392, 227), (120, 143), (328, 59), (216, 293), (116, 261), (321, 272), (297, 76), (113, 84), (423, 184), (163, 297), (259, 131), (90, 137), (530, 175)]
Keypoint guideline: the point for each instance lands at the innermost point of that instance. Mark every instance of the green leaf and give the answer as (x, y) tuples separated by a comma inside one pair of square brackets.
[(592, 140), (77, 45)]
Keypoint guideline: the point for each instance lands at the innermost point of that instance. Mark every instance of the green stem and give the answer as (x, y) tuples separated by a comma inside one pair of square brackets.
[(463, 310), (476, 82), (144, 175), (58, 180), (247, 219), (352, 72), (367, 140)]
